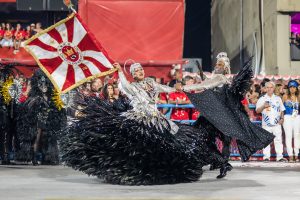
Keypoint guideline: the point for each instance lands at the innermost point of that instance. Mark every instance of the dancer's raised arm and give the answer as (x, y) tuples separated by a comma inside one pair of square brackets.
[(124, 84), (215, 81)]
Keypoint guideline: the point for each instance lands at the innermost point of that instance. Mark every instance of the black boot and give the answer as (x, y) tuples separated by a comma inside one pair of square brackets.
[(224, 169), (34, 159)]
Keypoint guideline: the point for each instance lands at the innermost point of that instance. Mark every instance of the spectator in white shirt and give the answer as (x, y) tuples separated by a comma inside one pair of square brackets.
[(272, 108)]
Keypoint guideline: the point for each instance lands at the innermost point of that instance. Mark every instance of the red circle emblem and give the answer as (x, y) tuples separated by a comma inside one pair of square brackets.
[(70, 53)]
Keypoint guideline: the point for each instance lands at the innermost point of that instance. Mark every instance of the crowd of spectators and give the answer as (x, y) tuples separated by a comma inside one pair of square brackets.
[(109, 90), (12, 36)]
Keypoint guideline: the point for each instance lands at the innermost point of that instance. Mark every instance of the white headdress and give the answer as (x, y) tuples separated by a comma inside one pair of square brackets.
[(223, 57), (134, 66)]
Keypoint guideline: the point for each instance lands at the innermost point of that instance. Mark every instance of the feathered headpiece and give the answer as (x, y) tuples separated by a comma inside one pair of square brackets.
[(38, 79), (10, 88)]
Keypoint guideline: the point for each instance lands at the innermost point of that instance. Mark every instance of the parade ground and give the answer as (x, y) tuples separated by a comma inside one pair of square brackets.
[(252, 180)]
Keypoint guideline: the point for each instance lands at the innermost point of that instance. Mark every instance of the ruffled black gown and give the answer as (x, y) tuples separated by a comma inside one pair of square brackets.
[(120, 150)]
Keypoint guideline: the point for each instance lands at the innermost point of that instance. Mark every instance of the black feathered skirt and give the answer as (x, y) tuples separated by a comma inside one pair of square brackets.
[(124, 151)]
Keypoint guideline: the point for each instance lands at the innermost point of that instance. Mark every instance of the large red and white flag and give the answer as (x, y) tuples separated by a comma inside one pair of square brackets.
[(69, 54)]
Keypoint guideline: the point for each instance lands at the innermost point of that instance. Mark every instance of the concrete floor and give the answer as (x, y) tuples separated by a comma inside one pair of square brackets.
[(261, 181)]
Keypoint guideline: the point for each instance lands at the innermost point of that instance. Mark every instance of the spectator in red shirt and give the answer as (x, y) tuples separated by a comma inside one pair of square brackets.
[(245, 103), (2, 31), (7, 38), (27, 33), (194, 114), (163, 99), (19, 37), (179, 97)]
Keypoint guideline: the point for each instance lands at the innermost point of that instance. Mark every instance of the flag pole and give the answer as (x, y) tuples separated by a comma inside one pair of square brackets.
[(70, 5)]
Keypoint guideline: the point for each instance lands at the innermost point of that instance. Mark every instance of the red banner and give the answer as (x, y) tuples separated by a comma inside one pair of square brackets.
[(141, 30)]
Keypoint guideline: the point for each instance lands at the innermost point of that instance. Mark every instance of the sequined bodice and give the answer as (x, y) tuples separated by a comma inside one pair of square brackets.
[(143, 95), (148, 88)]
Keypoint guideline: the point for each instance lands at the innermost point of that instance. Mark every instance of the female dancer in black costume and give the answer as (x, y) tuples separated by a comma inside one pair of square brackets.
[(223, 115), (41, 118)]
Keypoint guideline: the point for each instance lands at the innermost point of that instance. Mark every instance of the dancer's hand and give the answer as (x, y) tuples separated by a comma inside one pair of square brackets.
[(281, 121), (267, 105), (117, 66)]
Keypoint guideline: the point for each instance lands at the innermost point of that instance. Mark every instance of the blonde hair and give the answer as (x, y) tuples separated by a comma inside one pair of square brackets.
[(270, 82)]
